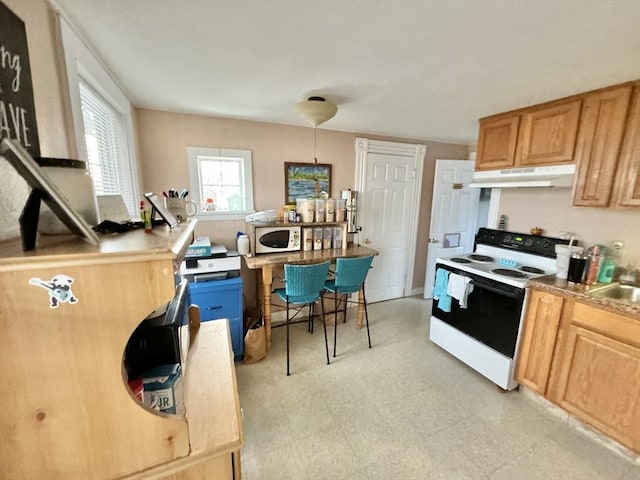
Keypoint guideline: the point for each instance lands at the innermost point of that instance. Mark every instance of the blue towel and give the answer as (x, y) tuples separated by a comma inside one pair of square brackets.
[(440, 290)]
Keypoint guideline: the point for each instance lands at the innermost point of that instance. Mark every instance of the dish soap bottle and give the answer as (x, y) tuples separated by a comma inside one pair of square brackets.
[(605, 275)]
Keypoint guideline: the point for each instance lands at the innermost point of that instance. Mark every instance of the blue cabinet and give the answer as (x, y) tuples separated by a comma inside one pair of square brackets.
[(222, 299)]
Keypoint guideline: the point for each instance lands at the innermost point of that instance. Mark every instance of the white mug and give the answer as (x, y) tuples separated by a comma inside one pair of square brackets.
[(181, 208)]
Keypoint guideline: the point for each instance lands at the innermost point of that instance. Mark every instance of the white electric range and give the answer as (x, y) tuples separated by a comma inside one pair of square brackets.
[(485, 333)]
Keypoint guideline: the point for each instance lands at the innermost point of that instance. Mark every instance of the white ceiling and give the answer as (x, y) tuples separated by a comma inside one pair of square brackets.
[(425, 70)]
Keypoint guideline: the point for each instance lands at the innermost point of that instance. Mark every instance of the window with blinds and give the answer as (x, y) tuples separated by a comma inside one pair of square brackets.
[(107, 146)]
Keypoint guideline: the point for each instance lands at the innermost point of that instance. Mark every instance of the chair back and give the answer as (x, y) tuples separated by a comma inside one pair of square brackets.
[(352, 272), (304, 283)]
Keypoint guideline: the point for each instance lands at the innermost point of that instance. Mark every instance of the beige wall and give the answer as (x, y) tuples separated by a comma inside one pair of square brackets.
[(163, 138), (549, 208)]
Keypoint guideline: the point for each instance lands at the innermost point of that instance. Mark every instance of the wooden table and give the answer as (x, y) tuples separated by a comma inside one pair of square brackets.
[(266, 262)]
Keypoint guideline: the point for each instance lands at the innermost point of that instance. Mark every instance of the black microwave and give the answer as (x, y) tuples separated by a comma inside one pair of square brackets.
[(162, 338)]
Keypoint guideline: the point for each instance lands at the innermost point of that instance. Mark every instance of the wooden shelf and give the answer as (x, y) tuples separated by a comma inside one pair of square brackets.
[(211, 400)]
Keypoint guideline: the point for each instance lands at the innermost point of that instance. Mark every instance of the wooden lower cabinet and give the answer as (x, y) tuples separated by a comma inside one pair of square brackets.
[(597, 378), (539, 340)]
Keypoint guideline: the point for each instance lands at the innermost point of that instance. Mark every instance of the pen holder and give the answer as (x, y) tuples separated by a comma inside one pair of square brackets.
[(181, 208)]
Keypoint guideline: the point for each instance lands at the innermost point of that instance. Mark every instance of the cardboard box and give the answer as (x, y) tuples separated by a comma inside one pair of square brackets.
[(200, 248), (163, 389)]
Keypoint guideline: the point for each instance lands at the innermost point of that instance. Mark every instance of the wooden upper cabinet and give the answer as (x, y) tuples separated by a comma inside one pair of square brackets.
[(548, 134), (539, 340), (626, 188), (601, 130), (497, 142)]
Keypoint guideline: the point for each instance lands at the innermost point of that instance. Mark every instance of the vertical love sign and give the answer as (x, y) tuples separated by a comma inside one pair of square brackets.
[(17, 110)]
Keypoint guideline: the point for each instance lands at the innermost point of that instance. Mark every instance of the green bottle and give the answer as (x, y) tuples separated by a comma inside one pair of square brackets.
[(605, 274)]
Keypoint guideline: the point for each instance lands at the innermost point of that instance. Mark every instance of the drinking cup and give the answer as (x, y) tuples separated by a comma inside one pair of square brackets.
[(577, 265), (563, 253), (181, 208)]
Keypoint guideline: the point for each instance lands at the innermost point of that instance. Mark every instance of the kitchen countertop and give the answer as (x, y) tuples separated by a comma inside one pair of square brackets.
[(560, 286)]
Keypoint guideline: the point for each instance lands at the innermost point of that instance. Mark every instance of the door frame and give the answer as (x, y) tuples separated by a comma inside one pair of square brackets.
[(418, 153)]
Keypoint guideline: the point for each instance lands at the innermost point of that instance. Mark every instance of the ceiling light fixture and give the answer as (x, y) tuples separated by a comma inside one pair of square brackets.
[(316, 110)]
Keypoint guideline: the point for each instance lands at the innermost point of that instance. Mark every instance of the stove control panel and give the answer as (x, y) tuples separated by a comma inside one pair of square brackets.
[(522, 242)]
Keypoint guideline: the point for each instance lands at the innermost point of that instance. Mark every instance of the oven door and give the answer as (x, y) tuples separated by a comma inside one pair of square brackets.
[(492, 315)]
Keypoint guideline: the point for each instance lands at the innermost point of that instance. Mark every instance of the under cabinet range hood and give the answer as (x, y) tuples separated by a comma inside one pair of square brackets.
[(549, 176)]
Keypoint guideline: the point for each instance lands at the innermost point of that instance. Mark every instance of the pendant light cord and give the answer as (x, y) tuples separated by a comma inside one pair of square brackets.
[(315, 153)]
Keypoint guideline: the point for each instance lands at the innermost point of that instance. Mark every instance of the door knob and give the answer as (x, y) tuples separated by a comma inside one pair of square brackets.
[(367, 241), (434, 240)]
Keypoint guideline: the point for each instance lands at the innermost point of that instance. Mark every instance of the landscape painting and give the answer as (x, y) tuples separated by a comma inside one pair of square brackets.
[(306, 179)]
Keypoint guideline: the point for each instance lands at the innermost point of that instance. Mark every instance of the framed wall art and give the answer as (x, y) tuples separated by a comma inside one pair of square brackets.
[(304, 179)]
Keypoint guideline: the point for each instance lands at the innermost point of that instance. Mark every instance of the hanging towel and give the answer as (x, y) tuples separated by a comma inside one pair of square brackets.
[(440, 290), (459, 287)]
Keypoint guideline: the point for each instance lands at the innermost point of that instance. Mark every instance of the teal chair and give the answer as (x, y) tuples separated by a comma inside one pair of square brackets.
[(303, 286), (349, 278)]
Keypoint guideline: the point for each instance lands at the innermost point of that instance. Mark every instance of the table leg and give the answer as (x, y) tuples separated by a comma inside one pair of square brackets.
[(360, 313), (267, 280)]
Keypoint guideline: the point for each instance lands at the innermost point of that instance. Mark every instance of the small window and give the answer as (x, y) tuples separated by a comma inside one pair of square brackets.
[(221, 182)]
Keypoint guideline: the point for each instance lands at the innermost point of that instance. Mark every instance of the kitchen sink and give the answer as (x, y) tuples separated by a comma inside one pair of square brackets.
[(616, 291)]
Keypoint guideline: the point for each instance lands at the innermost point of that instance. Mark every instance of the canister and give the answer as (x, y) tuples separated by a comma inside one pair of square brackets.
[(320, 210), (337, 237), (317, 238), (330, 210), (327, 234), (307, 239)]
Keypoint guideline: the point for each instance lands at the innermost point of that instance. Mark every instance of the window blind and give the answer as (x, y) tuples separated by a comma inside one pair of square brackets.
[(107, 148)]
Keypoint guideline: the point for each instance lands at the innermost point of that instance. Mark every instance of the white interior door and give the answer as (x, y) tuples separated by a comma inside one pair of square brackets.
[(454, 212), (389, 181)]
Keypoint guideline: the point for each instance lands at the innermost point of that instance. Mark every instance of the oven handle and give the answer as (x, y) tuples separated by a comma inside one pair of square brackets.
[(509, 292)]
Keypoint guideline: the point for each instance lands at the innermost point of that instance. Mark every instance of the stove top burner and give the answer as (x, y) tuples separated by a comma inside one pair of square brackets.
[(481, 258), (509, 273), (460, 260), (532, 270)]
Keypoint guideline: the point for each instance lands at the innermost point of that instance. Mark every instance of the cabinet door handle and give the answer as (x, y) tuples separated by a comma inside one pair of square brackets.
[(214, 308)]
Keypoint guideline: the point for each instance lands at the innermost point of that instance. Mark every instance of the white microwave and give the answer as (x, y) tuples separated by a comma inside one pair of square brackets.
[(277, 239)]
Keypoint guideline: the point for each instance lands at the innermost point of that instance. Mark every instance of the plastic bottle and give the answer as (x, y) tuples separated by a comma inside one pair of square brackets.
[(593, 266), (606, 270), (243, 244), (145, 216)]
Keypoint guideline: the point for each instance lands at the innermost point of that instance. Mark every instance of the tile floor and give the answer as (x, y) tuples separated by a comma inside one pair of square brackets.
[(404, 409)]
